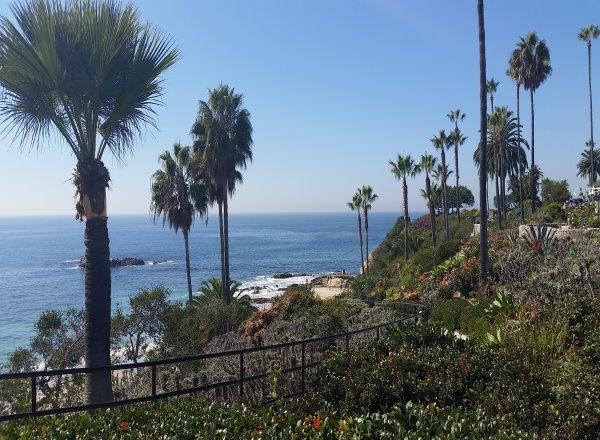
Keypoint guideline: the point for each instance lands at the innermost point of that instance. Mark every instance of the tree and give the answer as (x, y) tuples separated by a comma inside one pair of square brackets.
[(505, 155), (223, 143), (143, 325), (464, 197), (555, 191), (516, 71), (585, 165), (401, 169), (536, 66), (588, 34), (212, 288), (426, 165), (458, 140), (367, 197), (491, 86), (441, 142), (179, 193), (483, 239), (89, 72), (356, 205)]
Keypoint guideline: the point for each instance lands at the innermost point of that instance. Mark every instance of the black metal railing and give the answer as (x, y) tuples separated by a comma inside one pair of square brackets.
[(410, 313)]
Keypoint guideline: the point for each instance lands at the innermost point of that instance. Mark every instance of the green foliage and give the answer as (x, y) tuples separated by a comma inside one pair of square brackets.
[(447, 312), (199, 419), (555, 191), (553, 212)]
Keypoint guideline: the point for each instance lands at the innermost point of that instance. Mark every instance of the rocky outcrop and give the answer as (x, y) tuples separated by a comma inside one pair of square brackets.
[(119, 262), (284, 275)]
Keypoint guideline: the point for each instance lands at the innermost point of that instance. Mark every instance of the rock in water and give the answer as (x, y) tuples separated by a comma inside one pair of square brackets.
[(119, 262)]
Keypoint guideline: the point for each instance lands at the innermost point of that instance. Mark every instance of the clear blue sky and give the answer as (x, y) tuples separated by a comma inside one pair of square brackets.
[(336, 89)]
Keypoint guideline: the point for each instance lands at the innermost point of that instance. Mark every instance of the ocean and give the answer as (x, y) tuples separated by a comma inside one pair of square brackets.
[(39, 258)]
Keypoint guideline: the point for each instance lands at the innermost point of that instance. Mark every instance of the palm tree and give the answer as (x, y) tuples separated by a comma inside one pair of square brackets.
[(86, 72), (483, 239), (536, 66), (458, 140), (585, 165), (516, 71), (211, 289), (223, 143), (491, 86), (404, 167), (367, 198), (426, 165), (441, 142), (588, 34), (356, 205), (506, 156), (179, 193)]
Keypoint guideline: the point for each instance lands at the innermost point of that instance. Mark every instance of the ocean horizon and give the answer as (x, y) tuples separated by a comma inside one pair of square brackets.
[(39, 258)]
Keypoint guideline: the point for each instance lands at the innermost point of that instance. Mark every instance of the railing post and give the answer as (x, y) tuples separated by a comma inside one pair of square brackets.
[(347, 342), (303, 365), (416, 315), (33, 395), (241, 375), (378, 333), (153, 380)]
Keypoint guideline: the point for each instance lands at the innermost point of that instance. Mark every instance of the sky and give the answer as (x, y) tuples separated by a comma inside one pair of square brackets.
[(335, 89)]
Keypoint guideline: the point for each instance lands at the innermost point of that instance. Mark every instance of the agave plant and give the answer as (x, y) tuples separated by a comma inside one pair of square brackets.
[(540, 237), (501, 303)]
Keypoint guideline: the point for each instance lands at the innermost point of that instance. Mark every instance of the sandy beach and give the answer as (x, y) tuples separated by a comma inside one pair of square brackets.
[(330, 285)]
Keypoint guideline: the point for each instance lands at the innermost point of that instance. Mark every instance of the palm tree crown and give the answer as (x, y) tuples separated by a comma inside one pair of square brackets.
[(491, 86), (536, 60), (588, 33)]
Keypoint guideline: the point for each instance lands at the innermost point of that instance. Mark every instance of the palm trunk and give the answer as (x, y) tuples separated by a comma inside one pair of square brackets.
[(405, 196), (483, 238), (222, 243), (444, 195), (519, 154), (592, 171), (503, 180), (97, 309), (431, 209), (532, 189), (226, 240), (457, 187), (498, 201), (492, 101), (187, 264), (367, 238), (360, 242)]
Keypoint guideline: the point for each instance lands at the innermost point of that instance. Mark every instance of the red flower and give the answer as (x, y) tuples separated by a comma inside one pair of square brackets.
[(537, 247), (316, 423), (123, 426)]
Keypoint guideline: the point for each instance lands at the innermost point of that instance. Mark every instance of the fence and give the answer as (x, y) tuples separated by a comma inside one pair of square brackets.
[(248, 363)]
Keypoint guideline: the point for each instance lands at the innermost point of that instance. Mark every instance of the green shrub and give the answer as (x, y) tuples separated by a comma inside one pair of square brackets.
[(447, 312), (473, 321), (553, 212)]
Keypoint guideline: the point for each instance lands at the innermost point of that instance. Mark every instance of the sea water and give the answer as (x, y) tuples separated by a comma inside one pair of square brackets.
[(39, 259)]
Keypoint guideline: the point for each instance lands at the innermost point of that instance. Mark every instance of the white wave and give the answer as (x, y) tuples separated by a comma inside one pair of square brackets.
[(73, 261), (159, 262), (264, 286)]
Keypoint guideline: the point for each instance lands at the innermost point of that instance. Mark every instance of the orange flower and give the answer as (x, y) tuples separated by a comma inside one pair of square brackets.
[(123, 426), (316, 423)]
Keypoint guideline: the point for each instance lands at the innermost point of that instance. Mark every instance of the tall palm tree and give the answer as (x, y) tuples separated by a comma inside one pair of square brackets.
[(441, 142), (516, 70), (585, 165), (536, 65), (86, 72), (404, 167), (458, 140), (223, 143), (426, 164), (491, 86), (483, 239), (588, 34), (356, 205), (367, 197), (179, 193)]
